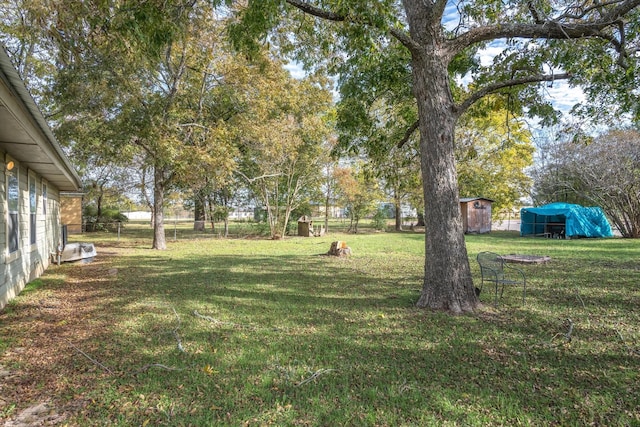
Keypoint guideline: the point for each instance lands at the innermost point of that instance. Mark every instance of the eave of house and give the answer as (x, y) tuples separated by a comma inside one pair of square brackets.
[(25, 134)]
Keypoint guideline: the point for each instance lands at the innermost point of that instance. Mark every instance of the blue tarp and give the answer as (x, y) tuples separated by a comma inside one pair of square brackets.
[(579, 221)]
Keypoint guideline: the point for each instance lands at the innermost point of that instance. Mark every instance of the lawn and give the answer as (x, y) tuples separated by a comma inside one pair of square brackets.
[(258, 332)]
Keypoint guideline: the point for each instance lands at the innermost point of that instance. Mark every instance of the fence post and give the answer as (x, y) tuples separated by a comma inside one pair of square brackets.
[(175, 229), (118, 231)]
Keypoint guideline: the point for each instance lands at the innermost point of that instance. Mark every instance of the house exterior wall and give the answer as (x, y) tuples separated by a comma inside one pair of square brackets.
[(35, 165), (71, 212), (30, 260)]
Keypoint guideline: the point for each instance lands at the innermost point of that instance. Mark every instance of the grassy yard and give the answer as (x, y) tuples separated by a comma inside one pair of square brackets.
[(258, 332)]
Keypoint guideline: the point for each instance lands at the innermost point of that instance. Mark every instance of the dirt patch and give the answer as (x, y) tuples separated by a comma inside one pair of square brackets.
[(39, 415), (39, 381)]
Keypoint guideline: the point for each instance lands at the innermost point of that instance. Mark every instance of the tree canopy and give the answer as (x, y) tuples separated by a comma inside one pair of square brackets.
[(281, 141), (156, 83)]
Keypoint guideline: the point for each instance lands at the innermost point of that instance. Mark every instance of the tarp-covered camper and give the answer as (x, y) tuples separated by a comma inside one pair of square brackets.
[(564, 220)]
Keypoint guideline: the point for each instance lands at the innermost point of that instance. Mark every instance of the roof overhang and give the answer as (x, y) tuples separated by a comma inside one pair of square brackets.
[(25, 134), (471, 199), (72, 194)]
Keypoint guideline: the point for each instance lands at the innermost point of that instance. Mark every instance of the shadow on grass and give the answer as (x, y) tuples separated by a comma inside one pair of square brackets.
[(284, 339)]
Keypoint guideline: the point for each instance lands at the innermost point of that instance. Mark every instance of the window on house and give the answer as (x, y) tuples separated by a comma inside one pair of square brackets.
[(13, 203), (33, 198), (44, 199)]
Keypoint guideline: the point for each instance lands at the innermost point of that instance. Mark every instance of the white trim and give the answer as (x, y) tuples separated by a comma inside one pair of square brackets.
[(32, 180), (44, 194), (11, 255)]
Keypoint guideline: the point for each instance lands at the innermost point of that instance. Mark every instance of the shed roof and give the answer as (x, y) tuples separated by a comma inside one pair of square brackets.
[(25, 134), (471, 199)]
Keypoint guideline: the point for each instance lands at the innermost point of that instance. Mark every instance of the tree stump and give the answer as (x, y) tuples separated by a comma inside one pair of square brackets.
[(339, 248)]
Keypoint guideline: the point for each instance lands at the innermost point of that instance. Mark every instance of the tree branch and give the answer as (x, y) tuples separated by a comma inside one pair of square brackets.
[(198, 125), (550, 28), (317, 12), (579, 12), (90, 358), (257, 178), (492, 88), (175, 332), (328, 15), (408, 133), (534, 13), (567, 335), (439, 7), (546, 30)]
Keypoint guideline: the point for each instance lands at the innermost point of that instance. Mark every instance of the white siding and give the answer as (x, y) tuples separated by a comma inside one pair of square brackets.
[(28, 263)]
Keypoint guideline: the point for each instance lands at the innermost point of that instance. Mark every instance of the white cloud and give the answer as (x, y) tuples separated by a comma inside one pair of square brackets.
[(563, 96), (451, 17), (295, 69), (487, 54)]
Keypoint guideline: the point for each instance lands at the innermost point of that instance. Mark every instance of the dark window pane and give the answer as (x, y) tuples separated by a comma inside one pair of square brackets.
[(13, 232)]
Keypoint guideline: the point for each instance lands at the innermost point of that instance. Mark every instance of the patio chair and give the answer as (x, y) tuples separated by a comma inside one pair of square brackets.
[(493, 269)]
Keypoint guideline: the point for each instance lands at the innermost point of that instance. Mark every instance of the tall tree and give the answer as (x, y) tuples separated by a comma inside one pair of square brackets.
[(282, 141), (104, 184), (21, 34), (400, 177), (374, 127), (132, 80), (143, 75), (543, 41), (359, 192), (329, 188)]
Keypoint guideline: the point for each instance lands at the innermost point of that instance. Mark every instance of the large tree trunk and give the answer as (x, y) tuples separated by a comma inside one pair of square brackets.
[(99, 205), (199, 216), (159, 240), (398, 208), (448, 284), (327, 202)]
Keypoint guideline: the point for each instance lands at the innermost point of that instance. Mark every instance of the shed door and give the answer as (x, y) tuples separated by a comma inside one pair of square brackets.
[(480, 217)]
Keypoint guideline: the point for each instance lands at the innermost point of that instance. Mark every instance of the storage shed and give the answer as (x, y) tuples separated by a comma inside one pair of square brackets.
[(305, 226), (476, 214)]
